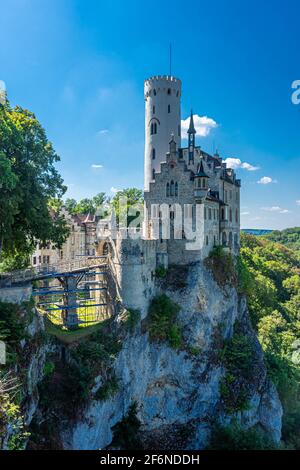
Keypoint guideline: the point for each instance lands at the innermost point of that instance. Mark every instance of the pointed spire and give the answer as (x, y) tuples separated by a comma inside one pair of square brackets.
[(191, 129)]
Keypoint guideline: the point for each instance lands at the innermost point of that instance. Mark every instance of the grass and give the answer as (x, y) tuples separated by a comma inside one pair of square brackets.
[(70, 336)]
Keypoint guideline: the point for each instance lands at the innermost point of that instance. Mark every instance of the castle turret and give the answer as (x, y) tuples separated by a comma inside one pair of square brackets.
[(162, 118)]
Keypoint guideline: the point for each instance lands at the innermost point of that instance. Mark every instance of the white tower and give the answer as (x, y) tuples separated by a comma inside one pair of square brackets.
[(162, 118)]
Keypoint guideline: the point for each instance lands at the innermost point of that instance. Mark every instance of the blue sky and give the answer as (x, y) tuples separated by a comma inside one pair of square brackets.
[(80, 66)]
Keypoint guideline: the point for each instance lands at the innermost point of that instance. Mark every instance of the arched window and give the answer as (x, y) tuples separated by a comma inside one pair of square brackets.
[(153, 174), (176, 189), (151, 129), (168, 190), (153, 154), (224, 239), (169, 109), (172, 188), (154, 128)]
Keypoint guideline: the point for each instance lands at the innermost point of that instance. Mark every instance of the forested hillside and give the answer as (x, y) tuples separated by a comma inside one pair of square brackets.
[(289, 237), (270, 276)]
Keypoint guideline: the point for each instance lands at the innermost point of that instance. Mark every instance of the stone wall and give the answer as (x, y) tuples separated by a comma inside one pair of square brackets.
[(16, 295)]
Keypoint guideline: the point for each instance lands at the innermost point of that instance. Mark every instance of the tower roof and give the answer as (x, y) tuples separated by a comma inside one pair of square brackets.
[(191, 129)]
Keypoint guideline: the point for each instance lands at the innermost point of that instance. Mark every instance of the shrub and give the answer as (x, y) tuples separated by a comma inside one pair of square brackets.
[(162, 321), (222, 266), (108, 389), (132, 319), (234, 437), (49, 368), (125, 433), (237, 357), (160, 272)]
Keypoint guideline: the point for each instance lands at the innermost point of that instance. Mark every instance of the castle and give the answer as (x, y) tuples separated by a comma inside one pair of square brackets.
[(192, 200), (191, 204)]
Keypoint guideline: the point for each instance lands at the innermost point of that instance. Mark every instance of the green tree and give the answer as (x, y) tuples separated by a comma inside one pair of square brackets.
[(28, 181), (133, 207), (70, 205)]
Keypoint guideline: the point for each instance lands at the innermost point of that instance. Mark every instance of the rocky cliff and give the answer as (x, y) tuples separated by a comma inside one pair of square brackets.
[(213, 374), (178, 392)]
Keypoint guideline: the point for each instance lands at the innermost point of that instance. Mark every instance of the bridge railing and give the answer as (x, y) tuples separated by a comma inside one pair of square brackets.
[(31, 273)]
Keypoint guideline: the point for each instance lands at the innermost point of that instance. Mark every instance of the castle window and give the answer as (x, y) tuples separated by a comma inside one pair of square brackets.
[(205, 213), (154, 92), (34, 260), (206, 239), (153, 109), (203, 183), (209, 214), (154, 128), (223, 214), (235, 239), (215, 240), (176, 189), (169, 91), (169, 108), (224, 239), (230, 215), (153, 154), (168, 190), (177, 94), (153, 174), (236, 216), (179, 130), (230, 238), (172, 188)]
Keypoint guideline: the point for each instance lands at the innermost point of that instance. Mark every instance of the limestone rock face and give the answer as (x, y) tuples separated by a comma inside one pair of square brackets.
[(177, 392)]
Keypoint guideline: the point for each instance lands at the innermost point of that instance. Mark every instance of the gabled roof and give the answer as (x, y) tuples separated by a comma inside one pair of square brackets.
[(201, 172)]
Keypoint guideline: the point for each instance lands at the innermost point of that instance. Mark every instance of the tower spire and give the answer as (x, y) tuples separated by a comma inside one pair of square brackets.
[(191, 138), (191, 129)]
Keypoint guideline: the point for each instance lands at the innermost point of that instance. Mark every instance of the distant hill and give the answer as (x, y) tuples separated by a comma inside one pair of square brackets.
[(255, 231), (290, 237)]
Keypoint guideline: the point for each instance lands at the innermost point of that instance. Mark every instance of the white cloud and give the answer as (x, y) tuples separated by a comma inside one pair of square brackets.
[(103, 132), (236, 163), (277, 209), (203, 125), (245, 213), (95, 165), (298, 202), (266, 180)]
